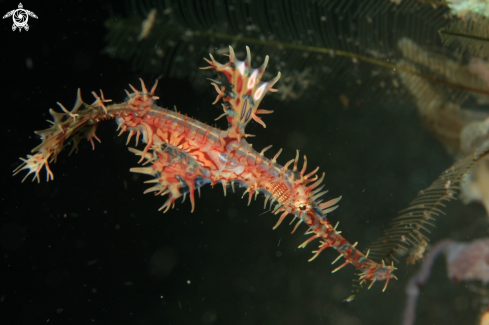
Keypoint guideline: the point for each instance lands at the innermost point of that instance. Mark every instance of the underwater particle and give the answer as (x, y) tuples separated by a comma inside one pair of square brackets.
[(209, 317), (160, 52), (92, 262), (345, 101), (147, 24), (162, 262), (188, 282), (29, 64), (447, 184)]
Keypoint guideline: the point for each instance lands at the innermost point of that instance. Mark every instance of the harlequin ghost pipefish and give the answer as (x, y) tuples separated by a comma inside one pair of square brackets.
[(184, 154)]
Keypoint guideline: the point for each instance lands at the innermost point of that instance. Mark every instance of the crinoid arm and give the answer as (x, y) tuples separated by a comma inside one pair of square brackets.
[(411, 226), (242, 90)]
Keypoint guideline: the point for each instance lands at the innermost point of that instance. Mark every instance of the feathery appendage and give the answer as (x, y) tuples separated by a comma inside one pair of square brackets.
[(315, 47), (410, 227)]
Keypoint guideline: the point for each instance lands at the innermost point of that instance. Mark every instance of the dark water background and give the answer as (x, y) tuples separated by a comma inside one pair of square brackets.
[(90, 248)]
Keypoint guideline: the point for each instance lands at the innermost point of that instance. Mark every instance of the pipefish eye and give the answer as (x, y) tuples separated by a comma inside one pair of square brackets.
[(302, 207)]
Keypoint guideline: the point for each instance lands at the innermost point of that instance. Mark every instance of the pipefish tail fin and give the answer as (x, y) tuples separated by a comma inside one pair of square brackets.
[(82, 122), (67, 126)]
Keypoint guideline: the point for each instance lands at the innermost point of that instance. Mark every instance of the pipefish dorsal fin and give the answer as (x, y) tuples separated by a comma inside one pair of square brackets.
[(241, 89)]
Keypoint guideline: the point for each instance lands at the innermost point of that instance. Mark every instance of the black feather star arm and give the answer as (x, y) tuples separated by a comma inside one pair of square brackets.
[(470, 36), (342, 47), (411, 226)]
